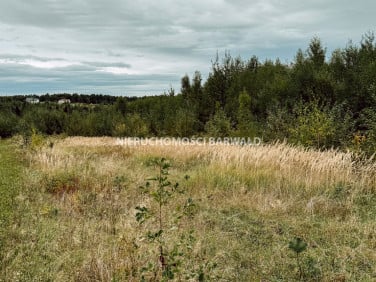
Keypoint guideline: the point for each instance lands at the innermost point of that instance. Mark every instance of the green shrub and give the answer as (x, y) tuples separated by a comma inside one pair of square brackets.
[(313, 126), (219, 125), (135, 126), (37, 140), (367, 142), (8, 124), (278, 123), (173, 259)]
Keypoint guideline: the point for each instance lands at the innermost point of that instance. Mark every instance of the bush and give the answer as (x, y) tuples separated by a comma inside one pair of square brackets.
[(278, 122), (219, 125), (75, 124), (185, 123), (8, 124), (313, 126), (46, 120), (367, 140), (136, 126)]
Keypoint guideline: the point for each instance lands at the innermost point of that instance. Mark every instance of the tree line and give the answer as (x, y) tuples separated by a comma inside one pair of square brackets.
[(317, 100)]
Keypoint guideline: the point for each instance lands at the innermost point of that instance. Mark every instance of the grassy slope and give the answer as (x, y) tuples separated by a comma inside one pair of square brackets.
[(251, 203), (10, 176)]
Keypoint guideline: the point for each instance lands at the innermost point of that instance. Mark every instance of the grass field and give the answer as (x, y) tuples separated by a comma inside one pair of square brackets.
[(10, 185), (73, 217)]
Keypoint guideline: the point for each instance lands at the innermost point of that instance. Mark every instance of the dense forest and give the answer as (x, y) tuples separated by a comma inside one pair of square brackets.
[(318, 100)]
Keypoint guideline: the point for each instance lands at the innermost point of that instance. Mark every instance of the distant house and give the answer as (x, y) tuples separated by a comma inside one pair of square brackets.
[(63, 101), (32, 100)]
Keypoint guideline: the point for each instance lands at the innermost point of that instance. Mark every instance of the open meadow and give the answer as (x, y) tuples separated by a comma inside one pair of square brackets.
[(89, 209)]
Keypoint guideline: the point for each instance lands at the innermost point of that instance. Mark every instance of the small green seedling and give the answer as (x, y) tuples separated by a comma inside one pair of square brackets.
[(161, 190), (298, 246)]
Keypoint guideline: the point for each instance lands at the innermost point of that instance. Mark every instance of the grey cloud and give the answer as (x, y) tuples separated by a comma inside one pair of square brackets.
[(21, 58), (112, 54), (17, 79), (108, 64), (171, 36)]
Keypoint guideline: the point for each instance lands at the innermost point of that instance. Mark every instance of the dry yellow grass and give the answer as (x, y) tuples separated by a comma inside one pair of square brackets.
[(298, 165), (251, 200)]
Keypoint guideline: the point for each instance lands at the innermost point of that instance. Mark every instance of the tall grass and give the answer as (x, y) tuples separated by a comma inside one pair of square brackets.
[(251, 201)]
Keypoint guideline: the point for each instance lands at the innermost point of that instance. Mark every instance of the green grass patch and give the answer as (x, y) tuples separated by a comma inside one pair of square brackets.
[(10, 178)]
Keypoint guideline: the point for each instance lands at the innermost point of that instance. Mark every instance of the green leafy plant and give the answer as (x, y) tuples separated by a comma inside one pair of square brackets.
[(37, 140), (219, 124), (119, 183), (298, 246), (161, 190), (174, 255), (314, 125)]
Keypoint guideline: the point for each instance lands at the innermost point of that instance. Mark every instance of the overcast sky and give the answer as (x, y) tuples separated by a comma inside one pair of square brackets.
[(123, 47)]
